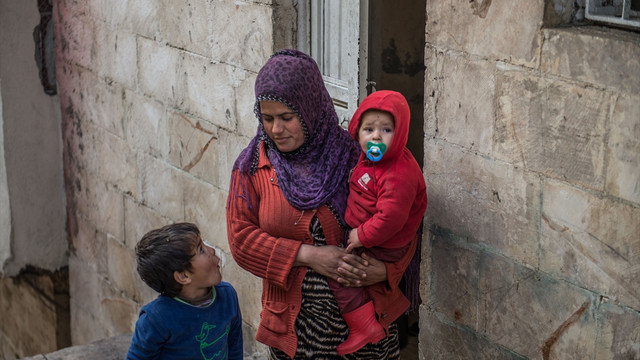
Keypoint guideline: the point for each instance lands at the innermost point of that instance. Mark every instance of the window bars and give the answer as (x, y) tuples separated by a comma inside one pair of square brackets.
[(618, 12)]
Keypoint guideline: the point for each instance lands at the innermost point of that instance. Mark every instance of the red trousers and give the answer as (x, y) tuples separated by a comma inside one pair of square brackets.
[(351, 298)]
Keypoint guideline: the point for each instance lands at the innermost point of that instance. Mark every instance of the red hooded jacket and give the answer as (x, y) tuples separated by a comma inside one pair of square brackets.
[(389, 210)]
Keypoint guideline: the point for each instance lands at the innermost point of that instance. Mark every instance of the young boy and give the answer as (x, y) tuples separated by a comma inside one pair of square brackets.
[(386, 203), (196, 315)]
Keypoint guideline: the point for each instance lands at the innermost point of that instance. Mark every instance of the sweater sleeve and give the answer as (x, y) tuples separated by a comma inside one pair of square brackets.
[(266, 256), (395, 196)]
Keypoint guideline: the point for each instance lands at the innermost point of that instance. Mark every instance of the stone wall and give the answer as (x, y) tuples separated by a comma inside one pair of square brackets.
[(156, 101), (532, 168)]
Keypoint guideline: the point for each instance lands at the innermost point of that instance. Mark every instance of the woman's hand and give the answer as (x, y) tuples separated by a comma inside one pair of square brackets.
[(374, 270), (332, 262)]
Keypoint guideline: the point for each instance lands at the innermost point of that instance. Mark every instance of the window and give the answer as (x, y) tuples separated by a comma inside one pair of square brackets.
[(619, 12), (334, 33)]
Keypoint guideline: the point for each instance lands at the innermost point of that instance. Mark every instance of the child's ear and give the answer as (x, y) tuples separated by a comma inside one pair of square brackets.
[(181, 277)]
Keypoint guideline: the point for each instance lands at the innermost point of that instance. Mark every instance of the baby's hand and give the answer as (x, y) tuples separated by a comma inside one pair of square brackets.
[(353, 242)]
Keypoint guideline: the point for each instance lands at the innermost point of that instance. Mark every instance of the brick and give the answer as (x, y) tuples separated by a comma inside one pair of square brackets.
[(533, 314), (248, 26), (490, 202), (205, 206), (114, 55), (552, 127), (85, 301), (194, 146), (247, 122), (159, 72), (89, 246), (619, 332), (208, 92), (611, 59), (448, 341), (139, 219), (453, 289), (494, 29), (623, 171), (117, 165), (145, 124), (102, 205), (139, 17), (162, 187), (591, 241), (121, 266), (184, 24), (465, 114)]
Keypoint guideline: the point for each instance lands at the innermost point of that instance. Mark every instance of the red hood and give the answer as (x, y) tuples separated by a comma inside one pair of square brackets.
[(394, 103)]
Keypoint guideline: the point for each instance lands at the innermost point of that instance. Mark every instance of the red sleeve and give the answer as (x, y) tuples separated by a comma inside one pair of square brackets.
[(268, 257), (395, 196)]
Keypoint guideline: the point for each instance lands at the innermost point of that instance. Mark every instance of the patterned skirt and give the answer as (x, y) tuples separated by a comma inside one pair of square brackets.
[(321, 328)]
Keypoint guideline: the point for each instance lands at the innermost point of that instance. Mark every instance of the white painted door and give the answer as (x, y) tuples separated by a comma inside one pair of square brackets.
[(334, 33)]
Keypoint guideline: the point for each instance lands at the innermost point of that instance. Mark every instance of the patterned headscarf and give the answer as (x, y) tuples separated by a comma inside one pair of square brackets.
[(317, 173)]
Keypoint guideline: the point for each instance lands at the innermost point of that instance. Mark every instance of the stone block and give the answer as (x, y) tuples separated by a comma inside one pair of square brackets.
[(591, 241), (102, 205), (552, 127), (159, 72), (453, 290), (89, 245), (623, 170), (162, 187), (248, 287), (139, 219), (140, 17), (73, 32), (247, 123), (232, 145), (114, 55), (618, 332), (490, 202), (194, 146), (248, 26), (121, 267), (445, 340), (145, 124), (99, 102), (185, 24), (209, 93), (533, 314), (116, 165), (465, 114), (600, 56), (85, 302), (493, 29), (118, 313), (205, 207)]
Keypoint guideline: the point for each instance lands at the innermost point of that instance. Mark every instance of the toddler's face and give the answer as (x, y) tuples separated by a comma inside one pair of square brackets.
[(376, 127), (205, 266)]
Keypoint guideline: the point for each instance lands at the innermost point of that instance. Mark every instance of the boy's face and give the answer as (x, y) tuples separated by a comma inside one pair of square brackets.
[(377, 127), (205, 267)]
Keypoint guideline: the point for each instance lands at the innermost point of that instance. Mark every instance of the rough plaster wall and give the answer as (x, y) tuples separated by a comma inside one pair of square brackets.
[(32, 148), (531, 161), (157, 102)]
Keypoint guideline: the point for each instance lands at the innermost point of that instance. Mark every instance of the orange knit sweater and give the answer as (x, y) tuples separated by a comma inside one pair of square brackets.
[(265, 233)]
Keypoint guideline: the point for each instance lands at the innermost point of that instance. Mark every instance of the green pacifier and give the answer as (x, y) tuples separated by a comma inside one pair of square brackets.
[(375, 150)]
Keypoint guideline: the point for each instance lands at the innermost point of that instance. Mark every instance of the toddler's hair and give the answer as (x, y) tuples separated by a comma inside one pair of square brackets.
[(163, 251)]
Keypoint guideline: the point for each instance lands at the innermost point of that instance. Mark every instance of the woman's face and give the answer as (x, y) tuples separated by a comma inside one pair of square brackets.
[(282, 125)]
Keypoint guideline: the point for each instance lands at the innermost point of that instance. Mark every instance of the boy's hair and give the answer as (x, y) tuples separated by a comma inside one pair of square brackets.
[(163, 251)]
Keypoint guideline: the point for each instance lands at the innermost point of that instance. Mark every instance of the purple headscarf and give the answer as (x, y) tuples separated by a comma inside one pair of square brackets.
[(317, 173)]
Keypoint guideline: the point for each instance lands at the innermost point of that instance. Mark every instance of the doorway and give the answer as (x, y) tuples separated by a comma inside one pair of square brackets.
[(396, 62)]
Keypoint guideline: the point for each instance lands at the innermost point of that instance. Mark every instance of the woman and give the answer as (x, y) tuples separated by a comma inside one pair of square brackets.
[(285, 218)]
